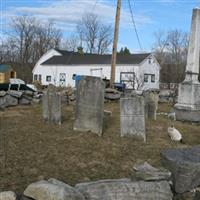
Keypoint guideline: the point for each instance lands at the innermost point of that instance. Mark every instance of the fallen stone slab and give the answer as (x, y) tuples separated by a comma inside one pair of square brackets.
[(14, 93), (148, 173), (185, 167), (125, 189), (52, 190), (8, 195)]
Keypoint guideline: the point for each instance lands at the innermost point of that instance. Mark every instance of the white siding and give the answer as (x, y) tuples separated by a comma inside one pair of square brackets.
[(54, 72), (69, 70)]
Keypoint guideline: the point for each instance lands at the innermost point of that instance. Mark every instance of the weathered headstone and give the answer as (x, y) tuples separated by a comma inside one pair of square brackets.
[(188, 106), (89, 109), (151, 104), (51, 103), (132, 118), (125, 189)]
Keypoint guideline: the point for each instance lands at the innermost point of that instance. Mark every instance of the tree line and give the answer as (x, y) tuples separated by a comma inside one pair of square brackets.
[(29, 38)]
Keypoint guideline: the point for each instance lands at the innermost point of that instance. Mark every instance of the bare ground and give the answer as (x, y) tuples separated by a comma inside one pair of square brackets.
[(35, 149)]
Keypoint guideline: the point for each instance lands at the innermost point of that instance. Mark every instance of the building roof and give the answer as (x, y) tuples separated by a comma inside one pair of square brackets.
[(84, 59), (5, 68)]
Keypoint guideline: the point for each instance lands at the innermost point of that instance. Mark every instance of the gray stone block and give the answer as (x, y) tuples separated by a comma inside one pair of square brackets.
[(125, 189), (52, 190), (2, 93), (14, 93), (148, 173), (185, 167), (89, 110), (7, 101), (132, 118)]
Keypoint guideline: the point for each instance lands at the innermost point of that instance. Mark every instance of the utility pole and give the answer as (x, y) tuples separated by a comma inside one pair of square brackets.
[(114, 50)]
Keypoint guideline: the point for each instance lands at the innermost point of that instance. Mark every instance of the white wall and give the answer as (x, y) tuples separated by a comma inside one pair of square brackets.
[(153, 68), (45, 57), (54, 71)]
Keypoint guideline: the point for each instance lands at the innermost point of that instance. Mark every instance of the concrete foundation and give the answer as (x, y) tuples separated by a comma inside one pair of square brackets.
[(188, 106)]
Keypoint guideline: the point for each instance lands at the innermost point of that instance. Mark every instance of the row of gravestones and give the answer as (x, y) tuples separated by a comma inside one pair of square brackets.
[(89, 110)]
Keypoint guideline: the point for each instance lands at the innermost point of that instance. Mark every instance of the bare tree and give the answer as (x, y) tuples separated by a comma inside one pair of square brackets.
[(71, 43), (95, 36), (171, 51), (27, 40)]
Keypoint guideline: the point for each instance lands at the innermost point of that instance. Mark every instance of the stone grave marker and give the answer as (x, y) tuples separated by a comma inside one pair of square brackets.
[(51, 104), (89, 109), (151, 104), (132, 118)]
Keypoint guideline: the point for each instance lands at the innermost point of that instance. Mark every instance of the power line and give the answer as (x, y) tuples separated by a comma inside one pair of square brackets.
[(134, 25)]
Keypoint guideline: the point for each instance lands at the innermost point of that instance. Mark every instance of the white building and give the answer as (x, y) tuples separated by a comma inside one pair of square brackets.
[(58, 67)]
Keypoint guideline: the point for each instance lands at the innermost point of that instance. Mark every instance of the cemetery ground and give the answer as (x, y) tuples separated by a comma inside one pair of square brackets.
[(35, 150)]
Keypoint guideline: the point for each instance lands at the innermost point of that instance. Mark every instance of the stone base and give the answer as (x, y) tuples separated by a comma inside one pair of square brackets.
[(188, 106), (187, 115)]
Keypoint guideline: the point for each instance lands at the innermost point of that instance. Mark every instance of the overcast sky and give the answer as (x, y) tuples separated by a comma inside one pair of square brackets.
[(150, 16)]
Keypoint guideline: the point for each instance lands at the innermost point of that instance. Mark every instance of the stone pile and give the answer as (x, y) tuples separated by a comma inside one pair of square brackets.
[(13, 98), (111, 189), (147, 182)]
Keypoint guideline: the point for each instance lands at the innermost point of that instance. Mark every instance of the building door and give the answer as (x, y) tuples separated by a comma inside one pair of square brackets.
[(128, 78), (62, 79)]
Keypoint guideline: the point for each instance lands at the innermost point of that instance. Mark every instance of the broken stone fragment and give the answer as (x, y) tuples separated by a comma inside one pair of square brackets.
[(148, 173)]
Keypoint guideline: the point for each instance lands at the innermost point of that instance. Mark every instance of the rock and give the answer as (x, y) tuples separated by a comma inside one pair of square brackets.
[(112, 94), (8, 101), (8, 195), (28, 93), (125, 189), (185, 167), (2, 93), (148, 173), (24, 101), (52, 190), (14, 93)]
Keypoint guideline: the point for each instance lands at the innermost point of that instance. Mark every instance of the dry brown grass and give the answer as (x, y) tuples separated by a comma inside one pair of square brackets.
[(36, 149)]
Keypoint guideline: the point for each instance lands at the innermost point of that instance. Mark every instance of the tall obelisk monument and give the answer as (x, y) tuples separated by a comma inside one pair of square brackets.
[(188, 106)]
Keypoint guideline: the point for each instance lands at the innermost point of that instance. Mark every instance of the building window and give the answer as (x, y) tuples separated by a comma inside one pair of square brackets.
[(153, 78), (35, 77), (146, 78), (40, 77), (48, 78)]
